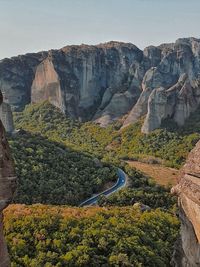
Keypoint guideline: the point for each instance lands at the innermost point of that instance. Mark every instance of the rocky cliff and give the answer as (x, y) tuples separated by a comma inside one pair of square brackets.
[(6, 117), (107, 81), (85, 82), (172, 87), (187, 252), (7, 187)]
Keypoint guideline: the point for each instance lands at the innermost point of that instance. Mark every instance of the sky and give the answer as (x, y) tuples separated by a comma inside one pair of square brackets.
[(35, 25)]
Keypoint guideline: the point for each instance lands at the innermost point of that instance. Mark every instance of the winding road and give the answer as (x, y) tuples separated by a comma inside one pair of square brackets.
[(121, 182)]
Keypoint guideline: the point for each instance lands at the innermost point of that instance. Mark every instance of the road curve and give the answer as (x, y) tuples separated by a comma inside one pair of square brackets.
[(121, 182)]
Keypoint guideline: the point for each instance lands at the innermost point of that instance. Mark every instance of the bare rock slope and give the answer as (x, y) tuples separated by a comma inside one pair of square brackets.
[(187, 253)]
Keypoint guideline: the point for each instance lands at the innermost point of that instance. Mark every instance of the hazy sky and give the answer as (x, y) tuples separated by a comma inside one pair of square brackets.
[(34, 25)]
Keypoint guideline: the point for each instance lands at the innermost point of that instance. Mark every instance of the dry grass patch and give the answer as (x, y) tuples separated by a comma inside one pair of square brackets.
[(160, 174)]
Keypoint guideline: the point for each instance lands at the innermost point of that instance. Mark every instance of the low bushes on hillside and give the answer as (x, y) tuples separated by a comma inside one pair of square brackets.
[(47, 236)]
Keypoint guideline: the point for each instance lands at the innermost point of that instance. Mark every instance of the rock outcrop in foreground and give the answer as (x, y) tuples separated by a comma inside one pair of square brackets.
[(7, 187), (107, 81), (187, 253)]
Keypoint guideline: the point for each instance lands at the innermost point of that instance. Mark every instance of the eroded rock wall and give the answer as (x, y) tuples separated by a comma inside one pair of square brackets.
[(187, 249), (46, 84), (178, 74), (107, 81), (90, 82), (16, 77)]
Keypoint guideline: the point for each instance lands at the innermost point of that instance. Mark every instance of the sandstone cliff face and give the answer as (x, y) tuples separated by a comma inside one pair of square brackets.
[(172, 87), (16, 77), (187, 253), (88, 82), (7, 188), (106, 81), (85, 82), (46, 84)]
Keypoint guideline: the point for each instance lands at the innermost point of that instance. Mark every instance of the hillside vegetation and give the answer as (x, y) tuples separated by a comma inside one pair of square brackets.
[(60, 161), (50, 173), (170, 145), (52, 236), (47, 120)]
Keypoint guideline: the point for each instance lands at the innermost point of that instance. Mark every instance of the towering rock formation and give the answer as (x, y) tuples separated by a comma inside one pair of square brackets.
[(104, 82), (177, 102), (85, 82), (187, 253), (171, 88), (88, 82), (46, 85), (7, 187), (6, 115)]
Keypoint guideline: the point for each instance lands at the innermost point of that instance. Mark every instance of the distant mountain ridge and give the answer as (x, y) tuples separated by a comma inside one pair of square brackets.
[(108, 81)]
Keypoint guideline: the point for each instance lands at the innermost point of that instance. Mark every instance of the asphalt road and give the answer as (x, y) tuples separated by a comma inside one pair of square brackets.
[(121, 182)]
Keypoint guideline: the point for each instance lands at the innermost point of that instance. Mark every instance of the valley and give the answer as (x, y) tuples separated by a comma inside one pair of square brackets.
[(87, 119), (62, 162)]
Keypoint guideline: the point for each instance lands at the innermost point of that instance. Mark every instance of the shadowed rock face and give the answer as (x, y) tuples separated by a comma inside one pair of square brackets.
[(85, 82), (7, 188), (106, 81), (187, 252)]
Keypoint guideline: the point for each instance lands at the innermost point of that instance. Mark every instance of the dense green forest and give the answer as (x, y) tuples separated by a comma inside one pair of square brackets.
[(50, 173), (55, 162), (52, 236), (169, 145), (47, 120), (61, 161)]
